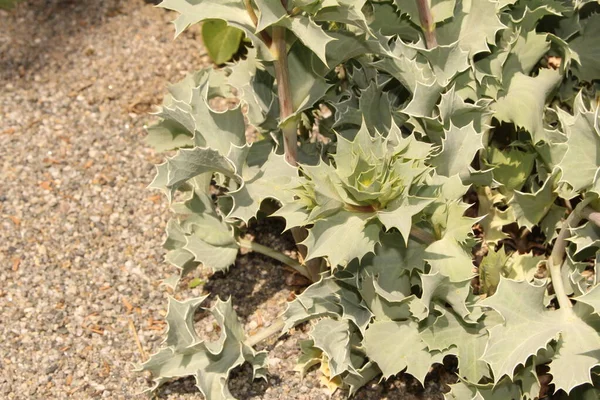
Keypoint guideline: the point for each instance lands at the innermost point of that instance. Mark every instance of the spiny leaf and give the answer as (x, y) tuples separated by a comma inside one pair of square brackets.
[(577, 352), (270, 12), (440, 9), (458, 150), (439, 287), (168, 135), (585, 237), (529, 327), (591, 298), (188, 163), (530, 208), (465, 391), (209, 362), (474, 26), (261, 180), (449, 258), (232, 11), (588, 49), (525, 99), (396, 346), (512, 167), (318, 300), (360, 235), (467, 342), (494, 219), (399, 214), (309, 33), (581, 162), (333, 337)]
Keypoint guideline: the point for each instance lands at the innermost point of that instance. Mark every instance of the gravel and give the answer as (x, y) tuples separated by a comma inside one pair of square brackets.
[(80, 236)]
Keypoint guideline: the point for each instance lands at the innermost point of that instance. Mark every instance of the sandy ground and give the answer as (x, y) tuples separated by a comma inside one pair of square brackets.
[(80, 236)]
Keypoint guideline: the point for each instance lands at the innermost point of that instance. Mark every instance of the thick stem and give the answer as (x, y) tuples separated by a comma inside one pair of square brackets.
[(427, 23), (591, 215), (276, 255), (288, 125), (558, 254), (265, 333)]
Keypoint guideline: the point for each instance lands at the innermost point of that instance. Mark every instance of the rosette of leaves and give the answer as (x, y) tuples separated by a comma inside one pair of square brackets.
[(434, 105), (372, 184)]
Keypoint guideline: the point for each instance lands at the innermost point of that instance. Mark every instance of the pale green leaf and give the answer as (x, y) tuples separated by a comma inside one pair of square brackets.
[(577, 352), (209, 362), (439, 287), (425, 97), (458, 150), (585, 237), (396, 346), (270, 12), (466, 391), (309, 357), (449, 258), (529, 327), (216, 256), (362, 376), (474, 25), (494, 219), (232, 11), (591, 298), (360, 234), (345, 12), (333, 337), (581, 162), (526, 52), (188, 163), (446, 61), (530, 208), (262, 180), (168, 135), (399, 214), (440, 9), (512, 167), (309, 33), (466, 341), (491, 269), (307, 86), (321, 299), (455, 111), (587, 47), (525, 100)]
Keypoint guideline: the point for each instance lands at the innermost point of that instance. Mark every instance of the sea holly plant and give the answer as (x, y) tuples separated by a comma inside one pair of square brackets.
[(437, 163)]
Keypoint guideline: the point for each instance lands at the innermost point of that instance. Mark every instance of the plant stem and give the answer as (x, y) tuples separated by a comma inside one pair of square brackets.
[(591, 215), (276, 255), (265, 333), (422, 235), (558, 254), (250, 10), (288, 125), (427, 23)]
